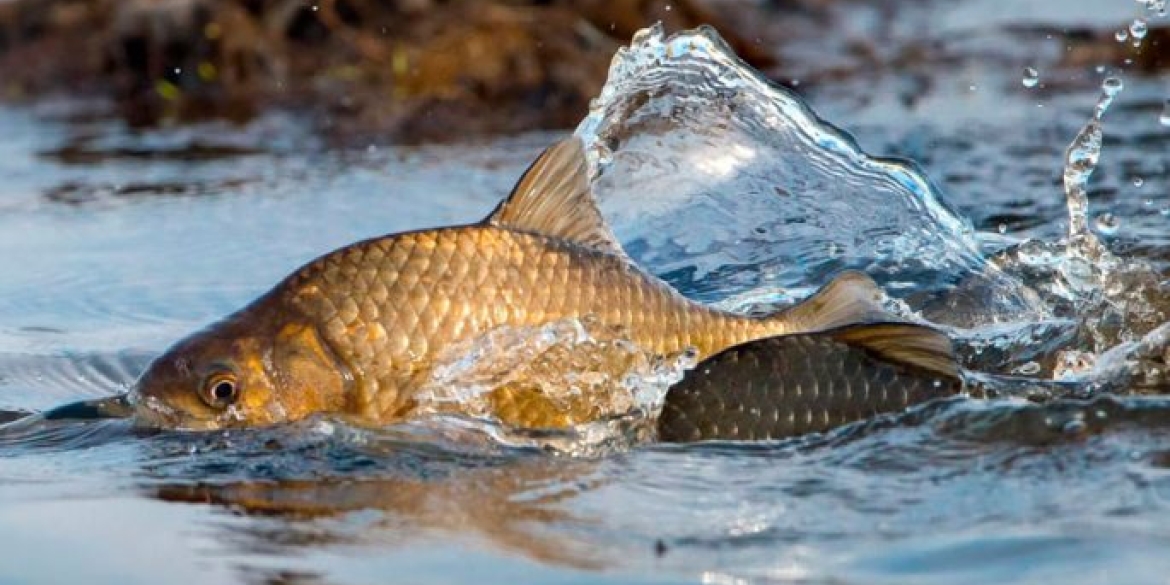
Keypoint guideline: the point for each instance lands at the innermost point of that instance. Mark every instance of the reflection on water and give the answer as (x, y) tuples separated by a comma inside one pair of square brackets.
[(7, 416), (342, 503), (118, 243), (506, 507)]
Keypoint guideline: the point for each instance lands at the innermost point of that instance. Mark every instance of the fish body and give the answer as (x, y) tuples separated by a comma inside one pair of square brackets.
[(791, 385), (387, 307), (357, 331)]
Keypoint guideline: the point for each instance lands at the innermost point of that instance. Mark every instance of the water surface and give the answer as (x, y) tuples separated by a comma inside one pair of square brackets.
[(118, 243)]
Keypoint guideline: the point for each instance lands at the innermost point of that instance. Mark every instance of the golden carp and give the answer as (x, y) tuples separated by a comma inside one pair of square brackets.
[(357, 331)]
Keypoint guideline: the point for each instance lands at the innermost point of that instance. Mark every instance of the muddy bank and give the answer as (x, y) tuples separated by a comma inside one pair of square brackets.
[(418, 70), (410, 69)]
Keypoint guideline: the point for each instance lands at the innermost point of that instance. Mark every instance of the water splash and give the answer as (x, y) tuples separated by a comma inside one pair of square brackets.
[(560, 375), (1138, 29), (723, 182), (1121, 299), (1141, 366), (1155, 7), (732, 189), (1080, 161), (1031, 77), (1114, 300)]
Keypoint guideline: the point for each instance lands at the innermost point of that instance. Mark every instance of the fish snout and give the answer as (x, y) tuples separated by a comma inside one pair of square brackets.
[(150, 411), (119, 406)]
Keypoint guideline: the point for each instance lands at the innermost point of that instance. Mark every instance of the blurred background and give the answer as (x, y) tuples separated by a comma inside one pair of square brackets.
[(418, 70)]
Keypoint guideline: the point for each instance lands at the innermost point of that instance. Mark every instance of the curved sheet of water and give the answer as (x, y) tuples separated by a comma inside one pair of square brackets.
[(725, 182)]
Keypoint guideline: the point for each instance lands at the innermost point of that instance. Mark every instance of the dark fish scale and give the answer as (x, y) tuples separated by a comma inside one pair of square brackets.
[(791, 385)]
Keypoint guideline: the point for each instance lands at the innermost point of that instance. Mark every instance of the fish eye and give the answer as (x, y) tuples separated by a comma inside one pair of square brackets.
[(221, 389)]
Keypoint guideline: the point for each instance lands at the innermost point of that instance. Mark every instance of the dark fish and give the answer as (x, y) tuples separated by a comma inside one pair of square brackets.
[(795, 384)]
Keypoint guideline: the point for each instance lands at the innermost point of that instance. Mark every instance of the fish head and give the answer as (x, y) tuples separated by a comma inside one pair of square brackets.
[(234, 376)]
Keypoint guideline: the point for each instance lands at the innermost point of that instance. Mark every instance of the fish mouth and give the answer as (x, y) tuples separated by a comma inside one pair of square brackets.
[(147, 412), (152, 413)]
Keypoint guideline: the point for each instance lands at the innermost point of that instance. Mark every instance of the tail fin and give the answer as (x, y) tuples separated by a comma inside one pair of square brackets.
[(850, 299), (849, 309)]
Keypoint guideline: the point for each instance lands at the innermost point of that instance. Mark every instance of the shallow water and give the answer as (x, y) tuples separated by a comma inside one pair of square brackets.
[(122, 243)]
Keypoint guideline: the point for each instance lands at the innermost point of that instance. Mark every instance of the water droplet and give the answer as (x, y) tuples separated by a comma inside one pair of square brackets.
[(1075, 427), (1084, 152), (1031, 77), (1107, 224), (1155, 6), (1100, 69), (1121, 35), (1138, 182), (1028, 369), (1112, 85), (1139, 28), (1073, 364), (1164, 118), (1036, 253), (604, 155)]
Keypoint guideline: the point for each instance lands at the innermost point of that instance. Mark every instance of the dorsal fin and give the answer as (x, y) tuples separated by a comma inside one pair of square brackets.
[(913, 345), (553, 199), (851, 298)]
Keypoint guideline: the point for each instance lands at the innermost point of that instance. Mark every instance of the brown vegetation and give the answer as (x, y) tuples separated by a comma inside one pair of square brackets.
[(407, 69)]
